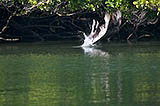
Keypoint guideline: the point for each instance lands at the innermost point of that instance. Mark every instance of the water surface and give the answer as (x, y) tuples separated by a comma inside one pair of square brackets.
[(59, 74)]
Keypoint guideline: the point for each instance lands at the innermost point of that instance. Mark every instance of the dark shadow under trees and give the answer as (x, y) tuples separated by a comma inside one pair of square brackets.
[(41, 26)]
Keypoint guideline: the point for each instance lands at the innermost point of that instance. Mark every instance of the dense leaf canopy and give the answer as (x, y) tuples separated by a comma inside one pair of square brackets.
[(70, 6)]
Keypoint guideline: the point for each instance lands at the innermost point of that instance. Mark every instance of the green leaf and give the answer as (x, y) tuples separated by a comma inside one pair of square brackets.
[(135, 2)]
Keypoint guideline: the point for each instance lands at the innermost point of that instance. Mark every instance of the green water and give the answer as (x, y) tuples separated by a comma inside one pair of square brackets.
[(58, 74)]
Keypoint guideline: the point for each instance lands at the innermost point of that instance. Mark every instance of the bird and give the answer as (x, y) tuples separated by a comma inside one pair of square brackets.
[(96, 34)]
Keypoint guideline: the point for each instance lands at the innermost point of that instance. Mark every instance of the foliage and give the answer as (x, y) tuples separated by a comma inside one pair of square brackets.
[(148, 4), (64, 7), (68, 6)]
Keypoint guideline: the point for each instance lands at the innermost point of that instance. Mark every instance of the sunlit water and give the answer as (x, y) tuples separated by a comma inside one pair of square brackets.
[(59, 74)]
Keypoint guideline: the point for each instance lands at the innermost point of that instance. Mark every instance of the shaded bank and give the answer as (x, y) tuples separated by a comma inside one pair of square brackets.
[(41, 26)]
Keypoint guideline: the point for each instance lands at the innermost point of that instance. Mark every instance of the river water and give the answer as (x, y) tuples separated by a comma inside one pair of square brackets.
[(60, 74)]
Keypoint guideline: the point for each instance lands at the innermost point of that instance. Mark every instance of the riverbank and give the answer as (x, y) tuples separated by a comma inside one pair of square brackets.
[(42, 26)]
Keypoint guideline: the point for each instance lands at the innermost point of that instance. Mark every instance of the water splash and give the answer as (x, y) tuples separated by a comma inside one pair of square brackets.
[(93, 52)]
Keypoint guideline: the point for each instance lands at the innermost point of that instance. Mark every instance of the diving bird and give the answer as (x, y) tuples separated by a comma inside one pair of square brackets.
[(97, 32)]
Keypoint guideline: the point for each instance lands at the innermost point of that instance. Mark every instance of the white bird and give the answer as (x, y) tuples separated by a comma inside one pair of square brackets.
[(95, 35)]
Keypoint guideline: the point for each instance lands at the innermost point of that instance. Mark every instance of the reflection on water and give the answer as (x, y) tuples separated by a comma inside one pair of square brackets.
[(55, 74)]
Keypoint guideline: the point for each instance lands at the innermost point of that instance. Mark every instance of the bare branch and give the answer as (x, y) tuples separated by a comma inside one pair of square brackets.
[(6, 25)]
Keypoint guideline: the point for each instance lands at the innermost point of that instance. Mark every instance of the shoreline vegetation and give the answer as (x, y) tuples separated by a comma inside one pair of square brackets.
[(47, 20)]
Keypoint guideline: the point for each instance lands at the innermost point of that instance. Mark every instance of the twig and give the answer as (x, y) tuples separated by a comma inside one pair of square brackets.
[(129, 36), (154, 21), (10, 17), (31, 8)]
